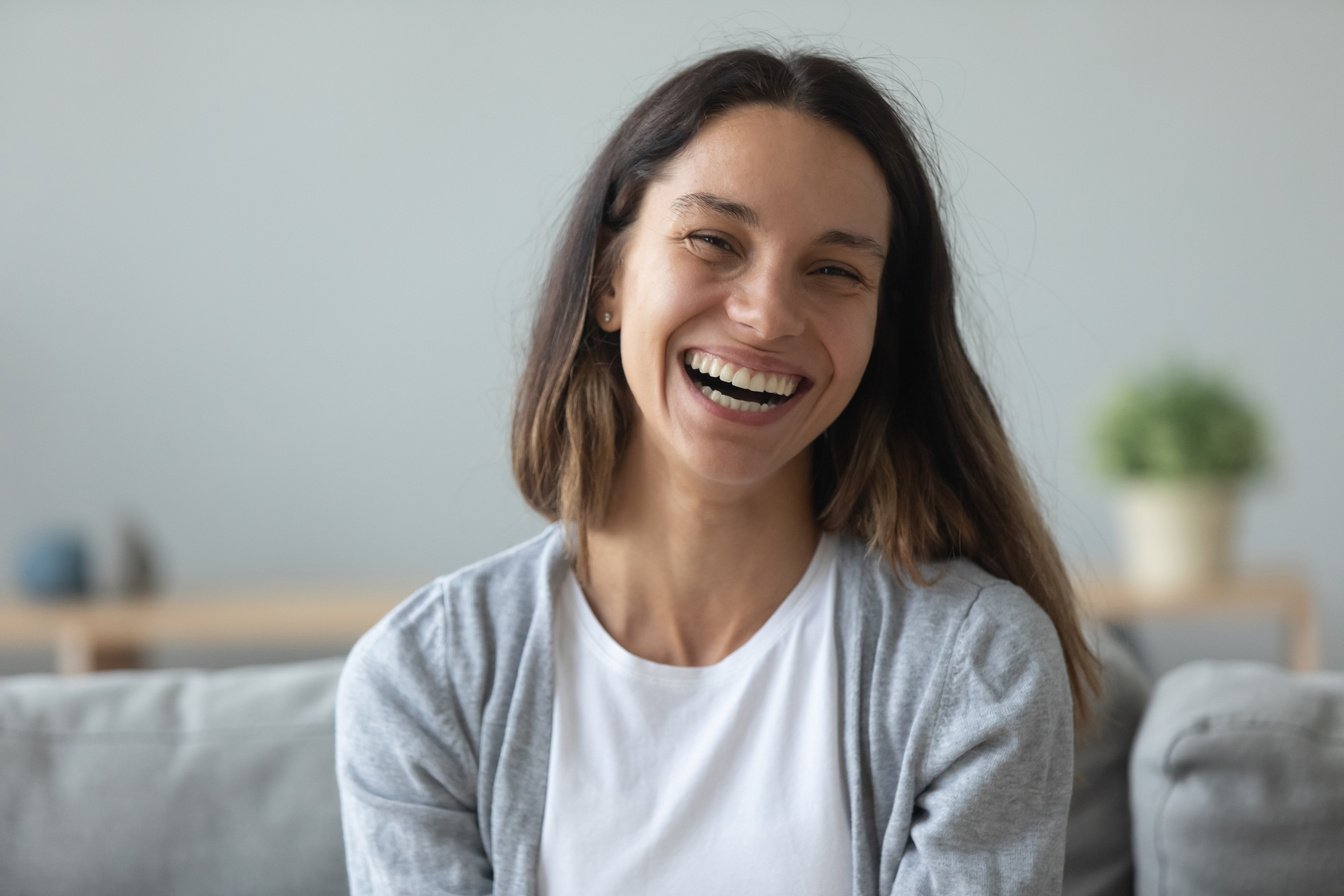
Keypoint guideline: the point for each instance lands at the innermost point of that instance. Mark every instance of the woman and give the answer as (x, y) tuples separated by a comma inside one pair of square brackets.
[(799, 627)]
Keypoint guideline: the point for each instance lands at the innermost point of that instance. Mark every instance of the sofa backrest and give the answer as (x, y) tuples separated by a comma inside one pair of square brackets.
[(1098, 860), (182, 782), (191, 782)]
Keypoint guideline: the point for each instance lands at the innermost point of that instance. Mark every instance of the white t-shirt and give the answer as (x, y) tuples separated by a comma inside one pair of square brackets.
[(724, 779)]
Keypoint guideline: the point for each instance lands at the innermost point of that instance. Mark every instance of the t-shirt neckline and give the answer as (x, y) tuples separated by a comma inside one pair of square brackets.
[(597, 639)]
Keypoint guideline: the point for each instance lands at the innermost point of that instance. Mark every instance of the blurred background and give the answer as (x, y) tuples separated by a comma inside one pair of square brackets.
[(266, 268)]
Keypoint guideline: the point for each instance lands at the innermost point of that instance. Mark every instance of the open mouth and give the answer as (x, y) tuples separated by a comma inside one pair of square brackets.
[(739, 388)]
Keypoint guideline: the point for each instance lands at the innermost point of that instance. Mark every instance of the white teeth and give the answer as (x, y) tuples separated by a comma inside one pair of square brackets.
[(732, 404), (743, 377)]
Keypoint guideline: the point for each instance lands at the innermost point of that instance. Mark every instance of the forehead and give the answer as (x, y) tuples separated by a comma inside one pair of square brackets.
[(791, 169)]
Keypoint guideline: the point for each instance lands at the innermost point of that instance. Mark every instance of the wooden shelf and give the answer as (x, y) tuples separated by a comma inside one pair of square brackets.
[(1281, 595), (104, 632)]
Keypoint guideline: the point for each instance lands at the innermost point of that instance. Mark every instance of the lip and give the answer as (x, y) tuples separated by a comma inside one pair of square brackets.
[(748, 418)]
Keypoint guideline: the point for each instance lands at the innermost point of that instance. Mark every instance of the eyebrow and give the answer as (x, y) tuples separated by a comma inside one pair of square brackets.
[(854, 241), (736, 210), (710, 203)]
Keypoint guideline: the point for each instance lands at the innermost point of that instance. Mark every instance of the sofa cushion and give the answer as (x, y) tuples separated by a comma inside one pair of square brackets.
[(1237, 783), (1098, 860), (182, 782)]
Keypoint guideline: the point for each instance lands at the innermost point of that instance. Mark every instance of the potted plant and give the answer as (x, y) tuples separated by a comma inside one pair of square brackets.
[(1181, 443)]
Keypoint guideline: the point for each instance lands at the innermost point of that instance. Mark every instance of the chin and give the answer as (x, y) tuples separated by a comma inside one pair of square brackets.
[(743, 469)]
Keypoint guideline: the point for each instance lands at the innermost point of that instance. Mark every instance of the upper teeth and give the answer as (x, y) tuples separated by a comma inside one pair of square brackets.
[(743, 377)]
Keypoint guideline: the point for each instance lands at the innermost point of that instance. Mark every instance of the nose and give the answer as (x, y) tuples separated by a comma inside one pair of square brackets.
[(769, 304)]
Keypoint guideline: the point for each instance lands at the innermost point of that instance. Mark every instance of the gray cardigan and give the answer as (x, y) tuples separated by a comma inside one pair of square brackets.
[(956, 713)]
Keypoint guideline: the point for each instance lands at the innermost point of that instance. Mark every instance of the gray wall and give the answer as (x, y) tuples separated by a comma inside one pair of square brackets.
[(265, 268)]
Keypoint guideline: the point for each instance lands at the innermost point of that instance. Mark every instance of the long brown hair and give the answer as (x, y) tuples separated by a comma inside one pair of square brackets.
[(918, 465)]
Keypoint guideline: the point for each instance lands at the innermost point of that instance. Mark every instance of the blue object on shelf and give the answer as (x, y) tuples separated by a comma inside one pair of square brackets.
[(55, 565)]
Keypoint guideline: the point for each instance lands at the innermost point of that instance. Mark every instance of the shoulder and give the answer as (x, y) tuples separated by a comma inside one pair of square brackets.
[(956, 596), (493, 593), (965, 634), (1000, 622), (459, 626)]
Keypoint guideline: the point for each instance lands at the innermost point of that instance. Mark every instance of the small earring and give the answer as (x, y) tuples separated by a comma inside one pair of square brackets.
[(606, 317)]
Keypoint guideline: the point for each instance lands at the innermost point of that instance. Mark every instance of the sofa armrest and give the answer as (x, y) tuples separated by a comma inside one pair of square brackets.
[(171, 781), (1237, 782)]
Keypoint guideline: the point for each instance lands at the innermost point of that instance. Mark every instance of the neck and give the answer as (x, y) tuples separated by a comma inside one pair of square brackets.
[(684, 572)]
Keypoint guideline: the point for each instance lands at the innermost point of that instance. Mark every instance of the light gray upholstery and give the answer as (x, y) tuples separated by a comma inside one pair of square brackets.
[(171, 782), (1237, 783), (176, 782), (1098, 860)]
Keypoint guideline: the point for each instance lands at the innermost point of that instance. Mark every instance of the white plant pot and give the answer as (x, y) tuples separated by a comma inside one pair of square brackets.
[(1176, 533)]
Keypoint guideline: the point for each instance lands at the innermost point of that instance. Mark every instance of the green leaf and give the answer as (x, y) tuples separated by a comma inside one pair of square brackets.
[(1179, 423)]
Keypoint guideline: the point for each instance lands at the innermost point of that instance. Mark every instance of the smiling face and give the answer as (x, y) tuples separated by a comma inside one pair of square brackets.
[(746, 297)]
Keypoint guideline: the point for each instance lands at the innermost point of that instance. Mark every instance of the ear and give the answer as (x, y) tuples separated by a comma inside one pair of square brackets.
[(608, 315), (608, 306), (610, 263)]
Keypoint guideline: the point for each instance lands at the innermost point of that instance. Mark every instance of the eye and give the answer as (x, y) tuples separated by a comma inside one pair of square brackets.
[(835, 270), (709, 240)]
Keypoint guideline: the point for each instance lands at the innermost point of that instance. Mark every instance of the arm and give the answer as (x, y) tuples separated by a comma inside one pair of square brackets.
[(406, 763), (992, 814)]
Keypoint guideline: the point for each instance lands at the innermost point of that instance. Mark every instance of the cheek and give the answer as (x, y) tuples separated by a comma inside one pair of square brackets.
[(666, 297), (853, 348)]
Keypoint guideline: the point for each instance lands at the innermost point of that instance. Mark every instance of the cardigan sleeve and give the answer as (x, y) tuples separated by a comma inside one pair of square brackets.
[(992, 810), (406, 763)]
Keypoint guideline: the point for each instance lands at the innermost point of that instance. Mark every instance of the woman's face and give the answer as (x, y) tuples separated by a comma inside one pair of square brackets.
[(746, 296)]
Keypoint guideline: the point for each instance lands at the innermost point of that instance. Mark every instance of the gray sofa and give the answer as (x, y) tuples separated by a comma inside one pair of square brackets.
[(1229, 779)]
